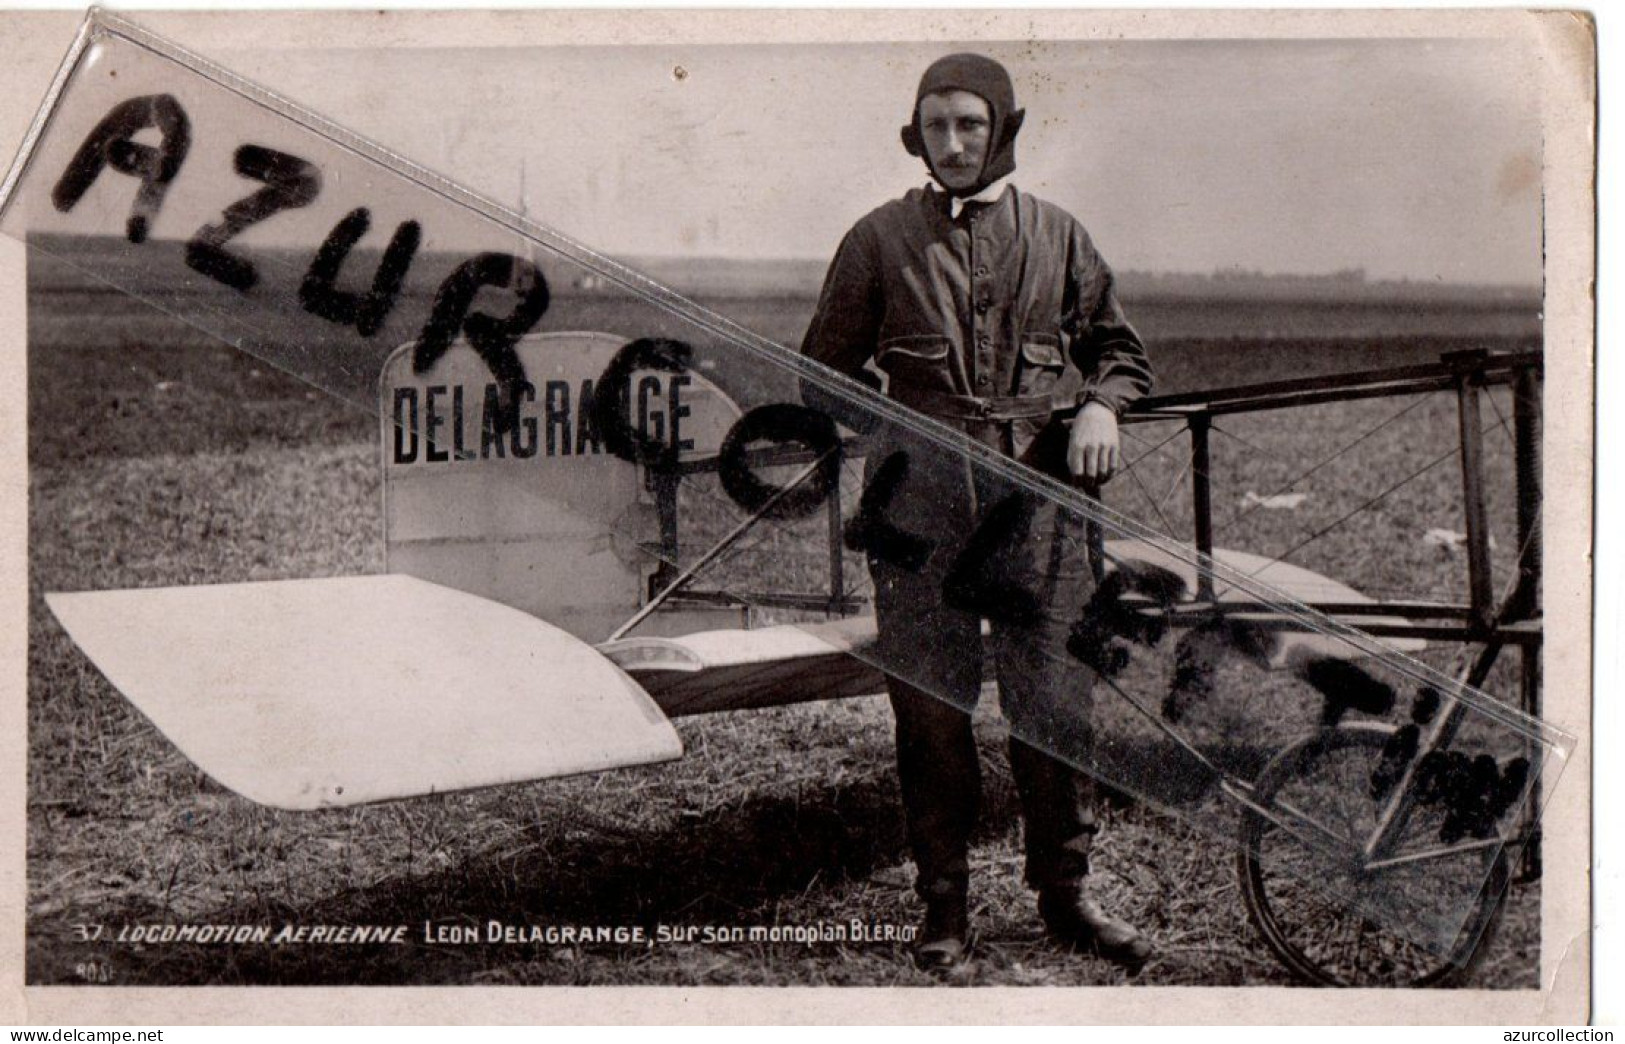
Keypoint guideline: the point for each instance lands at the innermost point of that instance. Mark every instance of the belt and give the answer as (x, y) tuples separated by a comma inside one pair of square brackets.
[(971, 408)]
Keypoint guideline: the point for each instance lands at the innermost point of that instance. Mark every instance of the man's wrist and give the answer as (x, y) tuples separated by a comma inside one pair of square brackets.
[(1091, 399)]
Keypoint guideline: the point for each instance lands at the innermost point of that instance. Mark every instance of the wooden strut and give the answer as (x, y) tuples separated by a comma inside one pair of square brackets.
[(1447, 721), (1480, 582), (1202, 503), (1493, 368)]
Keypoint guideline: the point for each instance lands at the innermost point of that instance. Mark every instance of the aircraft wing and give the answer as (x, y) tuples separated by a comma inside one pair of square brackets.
[(304, 694), (726, 670), (734, 670), (1296, 582), (309, 693)]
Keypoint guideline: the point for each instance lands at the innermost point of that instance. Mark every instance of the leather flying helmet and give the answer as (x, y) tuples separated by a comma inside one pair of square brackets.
[(988, 80)]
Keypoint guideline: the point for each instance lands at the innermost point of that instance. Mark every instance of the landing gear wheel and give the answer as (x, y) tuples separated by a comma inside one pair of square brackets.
[(1328, 777)]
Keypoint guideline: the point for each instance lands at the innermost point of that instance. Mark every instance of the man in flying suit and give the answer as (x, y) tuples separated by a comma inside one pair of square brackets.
[(988, 310)]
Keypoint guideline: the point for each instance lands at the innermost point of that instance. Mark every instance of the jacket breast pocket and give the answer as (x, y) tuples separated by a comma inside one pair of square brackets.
[(918, 361), (1042, 364)]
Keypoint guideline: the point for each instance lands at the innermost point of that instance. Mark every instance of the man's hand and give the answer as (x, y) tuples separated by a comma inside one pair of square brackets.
[(1093, 454)]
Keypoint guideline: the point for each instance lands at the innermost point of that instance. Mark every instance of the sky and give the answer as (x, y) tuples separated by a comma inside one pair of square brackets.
[(1408, 158)]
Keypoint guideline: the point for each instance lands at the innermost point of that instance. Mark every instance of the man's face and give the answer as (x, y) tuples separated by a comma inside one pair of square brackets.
[(956, 126)]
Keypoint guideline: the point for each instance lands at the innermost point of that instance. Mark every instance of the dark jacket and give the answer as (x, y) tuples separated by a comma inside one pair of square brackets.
[(1001, 315)]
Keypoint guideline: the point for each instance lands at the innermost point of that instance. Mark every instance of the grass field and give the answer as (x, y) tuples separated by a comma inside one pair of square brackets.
[(159, 458)]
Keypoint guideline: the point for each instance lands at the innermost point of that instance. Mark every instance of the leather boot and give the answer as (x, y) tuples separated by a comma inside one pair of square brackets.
[(945, 937), (1080, 924)]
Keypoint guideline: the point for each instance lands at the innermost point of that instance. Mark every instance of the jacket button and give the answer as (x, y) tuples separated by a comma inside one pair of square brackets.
[(981, 270), (982, 307)]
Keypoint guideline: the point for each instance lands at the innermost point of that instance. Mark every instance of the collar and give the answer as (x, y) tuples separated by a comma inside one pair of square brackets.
[(989, 194)]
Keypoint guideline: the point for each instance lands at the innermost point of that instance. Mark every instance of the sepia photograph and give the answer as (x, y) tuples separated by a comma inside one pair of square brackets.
[(909, 500)]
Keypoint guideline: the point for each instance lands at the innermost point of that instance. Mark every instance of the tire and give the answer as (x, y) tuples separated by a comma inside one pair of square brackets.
[(1325, 943)]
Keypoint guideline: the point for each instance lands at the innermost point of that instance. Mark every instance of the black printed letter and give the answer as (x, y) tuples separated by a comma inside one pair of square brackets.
[(870, 531), (492, 338), (780, 423), (612, 401), (365, 312), (980, 581), (109, 143), (290, 182)]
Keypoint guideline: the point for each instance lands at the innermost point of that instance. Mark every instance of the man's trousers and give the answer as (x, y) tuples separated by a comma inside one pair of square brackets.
[(960, 547)]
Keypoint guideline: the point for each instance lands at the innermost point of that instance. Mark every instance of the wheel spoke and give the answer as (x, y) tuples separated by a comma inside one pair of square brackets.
[(1305, 904)]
